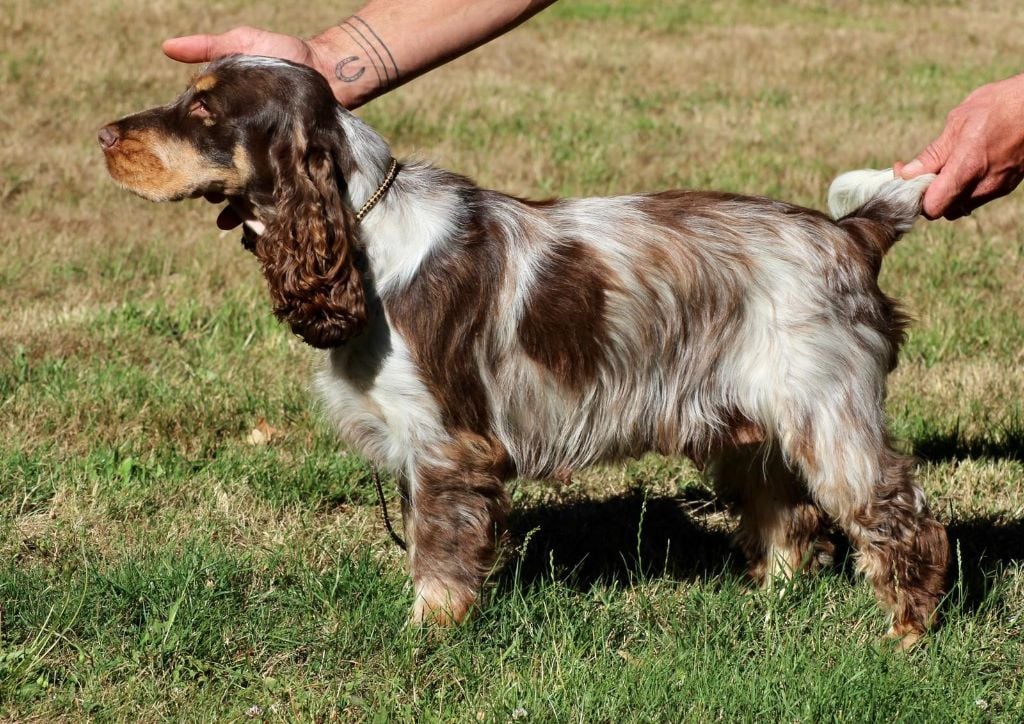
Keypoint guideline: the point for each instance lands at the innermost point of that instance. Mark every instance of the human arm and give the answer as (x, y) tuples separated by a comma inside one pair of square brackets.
[(979, 156), (385, 44)]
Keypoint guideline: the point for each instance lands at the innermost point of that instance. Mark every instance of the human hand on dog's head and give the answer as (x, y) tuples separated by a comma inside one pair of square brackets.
[(243, 40)]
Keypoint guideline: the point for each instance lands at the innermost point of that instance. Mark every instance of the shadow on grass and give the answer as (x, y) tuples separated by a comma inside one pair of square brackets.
[(620, 539), (980, 548), (632, 536), (940, 447)]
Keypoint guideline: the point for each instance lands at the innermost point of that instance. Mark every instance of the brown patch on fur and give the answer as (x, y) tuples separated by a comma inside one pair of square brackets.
[(876, 227), (562, 476), (444, 315), (675, 210), (868, 242), (458, 512), (670, 206), (563, 324), (802, 446), (666, 441), (856, 268), (903, 551), (745, 432), (893, 322)]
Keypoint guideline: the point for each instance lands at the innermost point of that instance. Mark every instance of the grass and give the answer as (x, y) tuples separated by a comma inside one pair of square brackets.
[(154, 565)]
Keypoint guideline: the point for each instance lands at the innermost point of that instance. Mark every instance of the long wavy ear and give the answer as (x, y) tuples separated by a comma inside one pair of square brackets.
[(307, 248)]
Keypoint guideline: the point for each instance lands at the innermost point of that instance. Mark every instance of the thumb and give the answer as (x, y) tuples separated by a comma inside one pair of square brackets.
[(910, 170), (193, 48), (930, 160), (948, 192)]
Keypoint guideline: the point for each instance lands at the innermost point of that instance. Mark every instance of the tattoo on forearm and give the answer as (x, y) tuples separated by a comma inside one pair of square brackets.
[(380, 42), (375, 54), (339, 69)]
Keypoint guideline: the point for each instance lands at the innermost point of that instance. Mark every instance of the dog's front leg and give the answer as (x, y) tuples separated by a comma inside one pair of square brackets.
[(455, 517)]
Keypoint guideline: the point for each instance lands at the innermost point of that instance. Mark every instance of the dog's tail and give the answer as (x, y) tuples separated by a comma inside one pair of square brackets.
[(888, 203)]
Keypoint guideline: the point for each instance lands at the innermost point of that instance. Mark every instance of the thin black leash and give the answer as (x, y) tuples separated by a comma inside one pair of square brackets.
[(384, 510), (389, 178)]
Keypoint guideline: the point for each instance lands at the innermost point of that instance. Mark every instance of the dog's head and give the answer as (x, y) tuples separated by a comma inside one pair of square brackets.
[(265, 133)]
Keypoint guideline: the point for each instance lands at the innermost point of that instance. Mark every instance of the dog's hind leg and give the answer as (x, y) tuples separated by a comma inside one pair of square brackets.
[(840, 444), (781, 530)]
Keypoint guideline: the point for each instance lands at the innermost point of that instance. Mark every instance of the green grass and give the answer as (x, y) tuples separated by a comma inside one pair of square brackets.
[(200, 627), (154, 565)]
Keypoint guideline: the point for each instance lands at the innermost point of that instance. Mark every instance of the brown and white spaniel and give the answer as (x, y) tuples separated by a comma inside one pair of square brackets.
[(473, 337)]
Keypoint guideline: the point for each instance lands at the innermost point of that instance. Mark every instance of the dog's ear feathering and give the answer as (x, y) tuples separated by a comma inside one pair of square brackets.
[(307, 249)]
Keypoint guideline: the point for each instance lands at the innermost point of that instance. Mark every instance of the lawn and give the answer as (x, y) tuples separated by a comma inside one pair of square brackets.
[(154, 564)]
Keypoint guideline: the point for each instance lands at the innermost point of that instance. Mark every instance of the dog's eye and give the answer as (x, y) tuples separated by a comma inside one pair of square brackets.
[(199, 109)]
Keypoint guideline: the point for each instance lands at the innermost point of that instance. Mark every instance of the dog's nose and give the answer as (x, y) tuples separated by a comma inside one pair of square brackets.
[(108, 137)]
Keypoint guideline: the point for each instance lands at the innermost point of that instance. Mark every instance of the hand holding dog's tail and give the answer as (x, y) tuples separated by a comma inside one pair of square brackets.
[(890, 202)]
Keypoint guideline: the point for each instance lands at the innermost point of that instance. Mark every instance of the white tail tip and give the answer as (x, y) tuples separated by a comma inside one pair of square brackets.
[(853, 189)]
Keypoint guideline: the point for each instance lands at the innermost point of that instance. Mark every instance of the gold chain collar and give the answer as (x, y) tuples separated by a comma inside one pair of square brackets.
[(379, 193)]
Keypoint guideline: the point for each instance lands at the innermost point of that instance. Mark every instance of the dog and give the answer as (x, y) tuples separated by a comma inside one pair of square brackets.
[(473, 337)]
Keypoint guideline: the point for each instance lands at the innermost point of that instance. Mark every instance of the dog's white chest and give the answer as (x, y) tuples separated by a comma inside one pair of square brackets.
[(373, 394)]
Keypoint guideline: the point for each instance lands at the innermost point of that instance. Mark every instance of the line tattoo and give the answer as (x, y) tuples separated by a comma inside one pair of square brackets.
[(394, 65), (375, 54)]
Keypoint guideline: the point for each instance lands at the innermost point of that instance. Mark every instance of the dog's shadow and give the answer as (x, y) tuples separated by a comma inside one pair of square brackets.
[(636, 535), (620, 539), (981, 546), (936, 447)]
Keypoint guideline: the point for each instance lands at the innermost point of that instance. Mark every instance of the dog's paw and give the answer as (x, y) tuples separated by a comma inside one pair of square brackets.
[(905, 637), (437, 604)]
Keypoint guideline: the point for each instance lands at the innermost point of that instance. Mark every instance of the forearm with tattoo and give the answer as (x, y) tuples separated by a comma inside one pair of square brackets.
[(374, 55), (389, 42)]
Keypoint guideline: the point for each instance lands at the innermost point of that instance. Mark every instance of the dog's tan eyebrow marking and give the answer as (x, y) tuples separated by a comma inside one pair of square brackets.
[(204, 82)]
